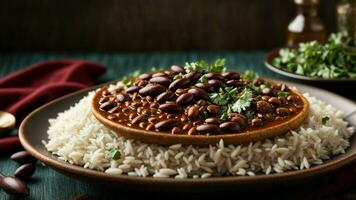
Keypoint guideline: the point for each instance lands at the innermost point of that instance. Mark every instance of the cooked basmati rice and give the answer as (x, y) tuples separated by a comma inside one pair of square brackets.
[(77, 137)]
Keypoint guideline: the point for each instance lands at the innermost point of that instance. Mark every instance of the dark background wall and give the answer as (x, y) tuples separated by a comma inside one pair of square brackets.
[(147, 25)]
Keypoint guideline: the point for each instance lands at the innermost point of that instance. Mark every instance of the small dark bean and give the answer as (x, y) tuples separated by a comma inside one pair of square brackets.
[(187, 126), (282, 111), (256, 122), (212, 120), (133, 89), (158, 74), (14, 186), (154, 105), (150, 127), (181, 91), (199, 93), (265, 98), (103, 100), (165, 96), (136, 103), (177, 68), (152, 90), (267, 91), (170, 116), (169, 107), (283, 100), (213, 75), (122, 97), (193, 112), (169, 72), (205, 86), (192, 131), (234, 83), (23, 157), (230, 126), (264, 107), (193, 76), (231, 75), (274, 100), (185, 98), (216, 83), (163, 80), (208, 128), (213, 109), (240, 119), (25, 171), (176, 130), (179, 83), (292, 98), (184, 119), (292, 109), (138, 119), (201, 102), (167, 124), (152, 119), (142, 124), (145, 76), (107, 106)]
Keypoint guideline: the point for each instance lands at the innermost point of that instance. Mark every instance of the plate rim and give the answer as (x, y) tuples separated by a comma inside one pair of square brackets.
[(83, 173)]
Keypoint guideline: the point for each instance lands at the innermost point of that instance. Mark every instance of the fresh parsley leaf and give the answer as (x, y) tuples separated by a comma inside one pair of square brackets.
[(249, 75), (243, 101), (202, 66), (324, 119), (114, 153), (282, 94), (127, 82), (203, 79), (156, 69)]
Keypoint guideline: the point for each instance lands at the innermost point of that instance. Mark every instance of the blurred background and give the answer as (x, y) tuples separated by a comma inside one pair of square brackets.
[(149, 25)]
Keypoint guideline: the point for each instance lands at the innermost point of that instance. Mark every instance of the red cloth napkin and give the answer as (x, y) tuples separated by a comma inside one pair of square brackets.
[(25, 90)]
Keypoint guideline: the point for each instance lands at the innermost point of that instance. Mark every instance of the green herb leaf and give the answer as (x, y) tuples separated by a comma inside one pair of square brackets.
[(249, 75), (282, 94), (243, 102), (114, 153), (324, 119), (202, 66)]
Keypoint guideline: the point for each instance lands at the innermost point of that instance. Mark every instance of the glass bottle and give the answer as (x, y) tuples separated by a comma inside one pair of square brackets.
[(346, 18), (307, 25)]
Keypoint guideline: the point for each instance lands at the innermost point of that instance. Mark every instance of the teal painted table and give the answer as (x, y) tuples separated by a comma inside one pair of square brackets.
[(48, 184)]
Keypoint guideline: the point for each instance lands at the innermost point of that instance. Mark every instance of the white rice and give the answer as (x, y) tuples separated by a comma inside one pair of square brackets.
[(77, 137)]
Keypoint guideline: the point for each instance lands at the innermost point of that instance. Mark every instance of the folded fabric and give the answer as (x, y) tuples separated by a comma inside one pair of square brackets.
[(23, 91)]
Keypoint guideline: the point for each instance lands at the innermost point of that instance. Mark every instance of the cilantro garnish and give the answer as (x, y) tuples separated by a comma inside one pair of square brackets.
[(332, 60), (202, 66), (114, 153), (324, 119), (243, 101), (126, 80), (249, 75), (282, 94)]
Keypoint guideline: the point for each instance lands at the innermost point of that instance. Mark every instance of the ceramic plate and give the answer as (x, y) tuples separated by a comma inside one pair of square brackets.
[(33, 131)]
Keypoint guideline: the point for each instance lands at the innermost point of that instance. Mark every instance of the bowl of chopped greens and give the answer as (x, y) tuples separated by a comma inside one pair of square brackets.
[(316, 63)]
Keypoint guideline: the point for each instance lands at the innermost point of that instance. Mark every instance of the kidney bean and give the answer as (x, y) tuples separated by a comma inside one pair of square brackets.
[(265, 98), (205, 86), (216, 83), (230, 126), (192, 131), (185, 98), (212, 120), (213, 109), (241, 119), (176, 130), (187, 126), (201, 102), (142, 124), (267, 91), (122, 97), (150, 127), (193, 112), (137, 119), (208, 128), (140, 83), (152, 119), (133, 89), (158, 74), (181, 91), (145, 76), (154, 105), (234, 83), (167, 124), (274, 100), (264, 107), (256, 122), (162, 80), (283, 100), (199, 93), (103, 100), (292, 98), (23, 157), (193, 76), (184, 118), (151, 90), (292, 109), (25, 171), (213, 75), (231, 75), (282, 111), (107, 106), (136, 103), (169, 107), (179, 83), (165, 96), (177, 69)]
